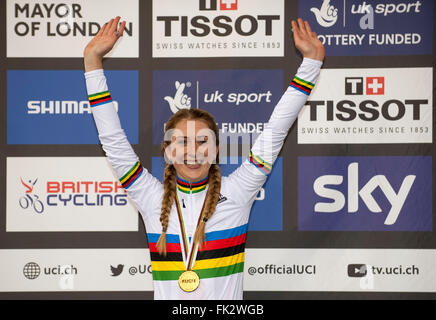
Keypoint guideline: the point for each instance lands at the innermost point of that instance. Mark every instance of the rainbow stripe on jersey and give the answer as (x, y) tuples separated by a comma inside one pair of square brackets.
[(222, 254), (194, 187)]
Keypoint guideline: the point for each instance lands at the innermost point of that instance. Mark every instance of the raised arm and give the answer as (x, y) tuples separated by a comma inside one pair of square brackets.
[(252, 174), (140, 185)]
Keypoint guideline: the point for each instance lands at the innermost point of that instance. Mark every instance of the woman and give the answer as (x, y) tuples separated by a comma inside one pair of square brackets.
[(196, 221)]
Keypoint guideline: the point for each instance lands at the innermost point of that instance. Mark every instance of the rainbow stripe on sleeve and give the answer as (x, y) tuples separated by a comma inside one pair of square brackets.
[(302, 85), (130, 177), (97, 99), (259, 163)]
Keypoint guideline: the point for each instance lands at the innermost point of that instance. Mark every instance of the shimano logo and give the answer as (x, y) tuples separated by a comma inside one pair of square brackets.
[(60, 107)]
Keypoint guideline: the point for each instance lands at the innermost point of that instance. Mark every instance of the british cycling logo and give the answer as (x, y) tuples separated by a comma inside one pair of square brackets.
[(29, 200), (78, 193)]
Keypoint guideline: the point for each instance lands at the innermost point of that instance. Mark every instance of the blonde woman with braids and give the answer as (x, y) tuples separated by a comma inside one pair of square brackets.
[(196, 220)]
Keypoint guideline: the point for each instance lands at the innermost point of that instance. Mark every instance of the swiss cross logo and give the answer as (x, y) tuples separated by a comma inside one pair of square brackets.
[(375, 85), (212, 5), (228, 4)]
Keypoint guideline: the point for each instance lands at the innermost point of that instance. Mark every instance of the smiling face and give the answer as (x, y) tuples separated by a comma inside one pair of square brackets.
[(192, 149)]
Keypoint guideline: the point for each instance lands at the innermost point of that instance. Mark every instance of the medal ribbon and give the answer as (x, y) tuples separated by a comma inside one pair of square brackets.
[(185, 238)]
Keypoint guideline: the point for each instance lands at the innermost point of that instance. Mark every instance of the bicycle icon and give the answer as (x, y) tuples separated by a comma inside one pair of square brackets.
[(29, 200)]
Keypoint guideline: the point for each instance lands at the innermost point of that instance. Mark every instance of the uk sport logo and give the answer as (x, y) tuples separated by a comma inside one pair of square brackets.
[(371, 27)]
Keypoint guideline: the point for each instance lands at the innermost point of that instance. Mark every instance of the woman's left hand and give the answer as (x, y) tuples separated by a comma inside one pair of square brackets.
[(307, 41)]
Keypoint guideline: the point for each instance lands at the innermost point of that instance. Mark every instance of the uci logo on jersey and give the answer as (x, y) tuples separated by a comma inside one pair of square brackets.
[(365, 193)]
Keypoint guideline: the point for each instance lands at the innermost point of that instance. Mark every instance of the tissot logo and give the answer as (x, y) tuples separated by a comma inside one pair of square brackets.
[(218, 28), (374, 85), (369, 106), (222, 26), (223, 5)]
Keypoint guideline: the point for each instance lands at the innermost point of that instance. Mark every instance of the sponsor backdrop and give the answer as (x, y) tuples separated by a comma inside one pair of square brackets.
[(347, 211)]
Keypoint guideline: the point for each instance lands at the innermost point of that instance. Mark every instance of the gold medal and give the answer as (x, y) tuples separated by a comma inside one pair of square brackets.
[(189, 281)]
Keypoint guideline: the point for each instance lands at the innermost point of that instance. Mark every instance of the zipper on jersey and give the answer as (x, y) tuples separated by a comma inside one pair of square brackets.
[(190, 206)]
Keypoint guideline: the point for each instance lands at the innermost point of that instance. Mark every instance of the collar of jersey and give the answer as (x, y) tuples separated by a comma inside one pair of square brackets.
[(192, 187)]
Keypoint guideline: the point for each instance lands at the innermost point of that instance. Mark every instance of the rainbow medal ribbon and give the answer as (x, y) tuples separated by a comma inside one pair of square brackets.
[(189, 279)]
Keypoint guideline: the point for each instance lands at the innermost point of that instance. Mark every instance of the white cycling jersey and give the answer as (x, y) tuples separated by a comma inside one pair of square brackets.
[(220, 262)]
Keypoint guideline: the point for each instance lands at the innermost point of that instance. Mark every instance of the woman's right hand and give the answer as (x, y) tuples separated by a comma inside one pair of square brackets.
[(102, 43)]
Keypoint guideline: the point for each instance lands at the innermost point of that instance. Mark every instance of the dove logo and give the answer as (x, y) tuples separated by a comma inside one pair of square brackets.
[(180, 99), (365, 193), (116, 271), (327, 15)]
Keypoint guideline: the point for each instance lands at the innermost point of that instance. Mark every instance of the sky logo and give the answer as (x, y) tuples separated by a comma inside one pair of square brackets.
[(51, 107), (365, 193)]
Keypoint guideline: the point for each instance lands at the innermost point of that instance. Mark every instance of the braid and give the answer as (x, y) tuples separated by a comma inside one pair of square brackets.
[(212, 197), (167, 201)]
